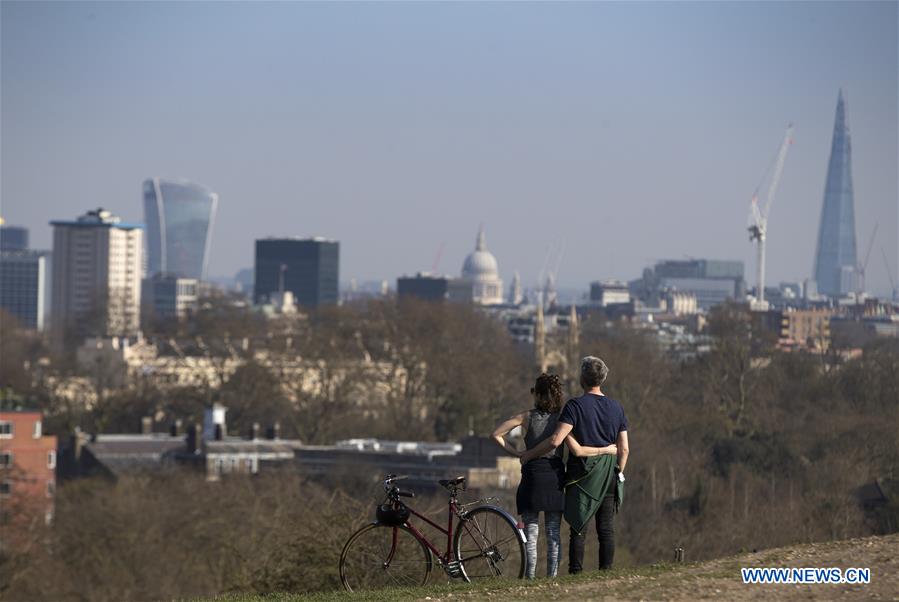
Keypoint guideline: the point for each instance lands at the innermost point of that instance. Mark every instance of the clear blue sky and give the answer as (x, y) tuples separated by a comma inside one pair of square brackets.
[(633, 131)]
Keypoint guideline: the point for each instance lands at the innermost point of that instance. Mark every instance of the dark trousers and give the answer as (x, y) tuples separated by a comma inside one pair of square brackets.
[(605, 531)]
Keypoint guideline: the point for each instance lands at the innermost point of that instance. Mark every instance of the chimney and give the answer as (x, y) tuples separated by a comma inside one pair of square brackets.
[(175, 429), (194, 436), (214, 417), (254, 431), (77, 443), (146, 425), (274, 431)]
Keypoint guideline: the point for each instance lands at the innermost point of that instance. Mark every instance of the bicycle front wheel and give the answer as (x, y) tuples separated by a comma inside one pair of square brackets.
[(489, 544), (378, 556)]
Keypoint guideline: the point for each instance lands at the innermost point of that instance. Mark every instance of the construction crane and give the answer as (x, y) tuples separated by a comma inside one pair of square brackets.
[(863, 266), (886, 265), (758, 218), (551, 263), (437, 257)]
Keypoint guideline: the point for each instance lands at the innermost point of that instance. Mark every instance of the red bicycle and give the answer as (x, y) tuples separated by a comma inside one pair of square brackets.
[(486, 543)]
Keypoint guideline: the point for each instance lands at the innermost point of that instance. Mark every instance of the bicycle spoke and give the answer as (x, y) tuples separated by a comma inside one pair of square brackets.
[(489, 545), (380, 556)]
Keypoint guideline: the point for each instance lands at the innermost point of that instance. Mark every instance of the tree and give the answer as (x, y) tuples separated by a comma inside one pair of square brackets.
[(729, 372)]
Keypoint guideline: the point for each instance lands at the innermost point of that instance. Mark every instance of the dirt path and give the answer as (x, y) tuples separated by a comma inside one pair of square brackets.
[(720, 579)]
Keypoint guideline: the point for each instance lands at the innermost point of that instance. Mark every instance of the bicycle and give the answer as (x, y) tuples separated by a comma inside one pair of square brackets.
[(391, 551)]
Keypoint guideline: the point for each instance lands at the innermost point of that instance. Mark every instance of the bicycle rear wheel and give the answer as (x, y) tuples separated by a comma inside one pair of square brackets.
[(489, 545), (378, 556)]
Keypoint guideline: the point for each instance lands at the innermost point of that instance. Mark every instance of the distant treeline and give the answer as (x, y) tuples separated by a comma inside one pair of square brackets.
[(742, 448)]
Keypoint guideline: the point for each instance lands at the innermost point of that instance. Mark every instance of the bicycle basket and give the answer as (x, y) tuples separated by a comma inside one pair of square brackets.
[(388, 515)]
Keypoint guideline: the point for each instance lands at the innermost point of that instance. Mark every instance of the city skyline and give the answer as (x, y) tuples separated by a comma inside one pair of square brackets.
[(605, 126)]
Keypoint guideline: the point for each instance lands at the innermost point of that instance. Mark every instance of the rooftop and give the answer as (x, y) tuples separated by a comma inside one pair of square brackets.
[(299, 239), (98, 218)]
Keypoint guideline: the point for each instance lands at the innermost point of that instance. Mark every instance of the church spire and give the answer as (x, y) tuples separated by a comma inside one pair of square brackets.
[(540, 337), (481, 245)]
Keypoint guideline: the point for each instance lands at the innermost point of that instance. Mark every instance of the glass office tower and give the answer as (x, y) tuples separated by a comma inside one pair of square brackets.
[(179, 217), (13, 238), (308, 268), (22, 286)]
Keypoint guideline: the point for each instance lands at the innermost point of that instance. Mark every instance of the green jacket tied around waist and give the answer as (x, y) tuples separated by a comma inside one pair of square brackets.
[(588, 480)]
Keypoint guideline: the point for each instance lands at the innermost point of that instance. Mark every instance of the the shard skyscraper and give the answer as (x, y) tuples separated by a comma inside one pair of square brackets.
[(835, 258)]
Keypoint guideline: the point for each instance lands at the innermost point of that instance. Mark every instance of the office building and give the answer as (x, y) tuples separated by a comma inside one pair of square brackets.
[(795, 329), (835, 258), (22, 277), (423, 286), (179, 217), (166, 297), (308, 268), (97, 262), (13, 238), (711, 281), (680, 304), (609, 292), (700, 268)]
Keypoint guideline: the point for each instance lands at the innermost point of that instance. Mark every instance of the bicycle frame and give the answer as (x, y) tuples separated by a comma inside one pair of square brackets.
[(452, 511)]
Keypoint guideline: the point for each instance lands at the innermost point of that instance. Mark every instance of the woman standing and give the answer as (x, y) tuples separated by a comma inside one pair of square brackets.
[(542, 479)]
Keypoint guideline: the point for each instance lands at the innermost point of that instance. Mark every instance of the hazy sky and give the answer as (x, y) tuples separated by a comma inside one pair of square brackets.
[(633, 132)]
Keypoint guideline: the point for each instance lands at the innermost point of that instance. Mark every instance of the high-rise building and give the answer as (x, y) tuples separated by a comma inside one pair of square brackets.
[(97, 264), (835, 258), (13, 238), (179, 216), (711, 281), (22, 277), (308, 268)]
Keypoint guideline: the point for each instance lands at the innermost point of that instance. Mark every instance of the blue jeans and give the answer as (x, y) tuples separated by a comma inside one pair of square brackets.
[(553, 522)]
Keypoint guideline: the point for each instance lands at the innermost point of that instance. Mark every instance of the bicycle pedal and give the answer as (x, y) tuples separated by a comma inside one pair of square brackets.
[(453, 569)]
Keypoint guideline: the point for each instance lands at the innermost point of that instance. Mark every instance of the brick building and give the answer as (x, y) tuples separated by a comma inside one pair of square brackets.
[(27, 471)]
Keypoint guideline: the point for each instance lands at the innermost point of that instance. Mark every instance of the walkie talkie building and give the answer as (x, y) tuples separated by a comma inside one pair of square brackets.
[(835, 259), (179, 217)]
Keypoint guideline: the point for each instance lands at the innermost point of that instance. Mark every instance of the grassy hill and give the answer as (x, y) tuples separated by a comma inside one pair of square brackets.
[(718, 578)]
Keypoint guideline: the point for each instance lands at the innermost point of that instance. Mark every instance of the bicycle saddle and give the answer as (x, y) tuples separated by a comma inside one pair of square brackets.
[(451, 482)]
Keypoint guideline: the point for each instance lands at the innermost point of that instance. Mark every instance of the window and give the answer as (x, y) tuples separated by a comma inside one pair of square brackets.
[(5, 488), (51, 488), (5, 459), (6, 429), (37, 429), (51, 460)]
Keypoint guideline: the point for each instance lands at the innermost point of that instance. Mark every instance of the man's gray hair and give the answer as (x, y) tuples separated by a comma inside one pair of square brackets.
[(593, 372)]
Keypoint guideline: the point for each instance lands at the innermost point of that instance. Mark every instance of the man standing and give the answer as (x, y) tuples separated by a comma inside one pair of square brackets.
[(594, 485)]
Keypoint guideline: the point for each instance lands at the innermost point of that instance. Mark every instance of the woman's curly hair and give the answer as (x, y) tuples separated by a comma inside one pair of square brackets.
[(548, 393)]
